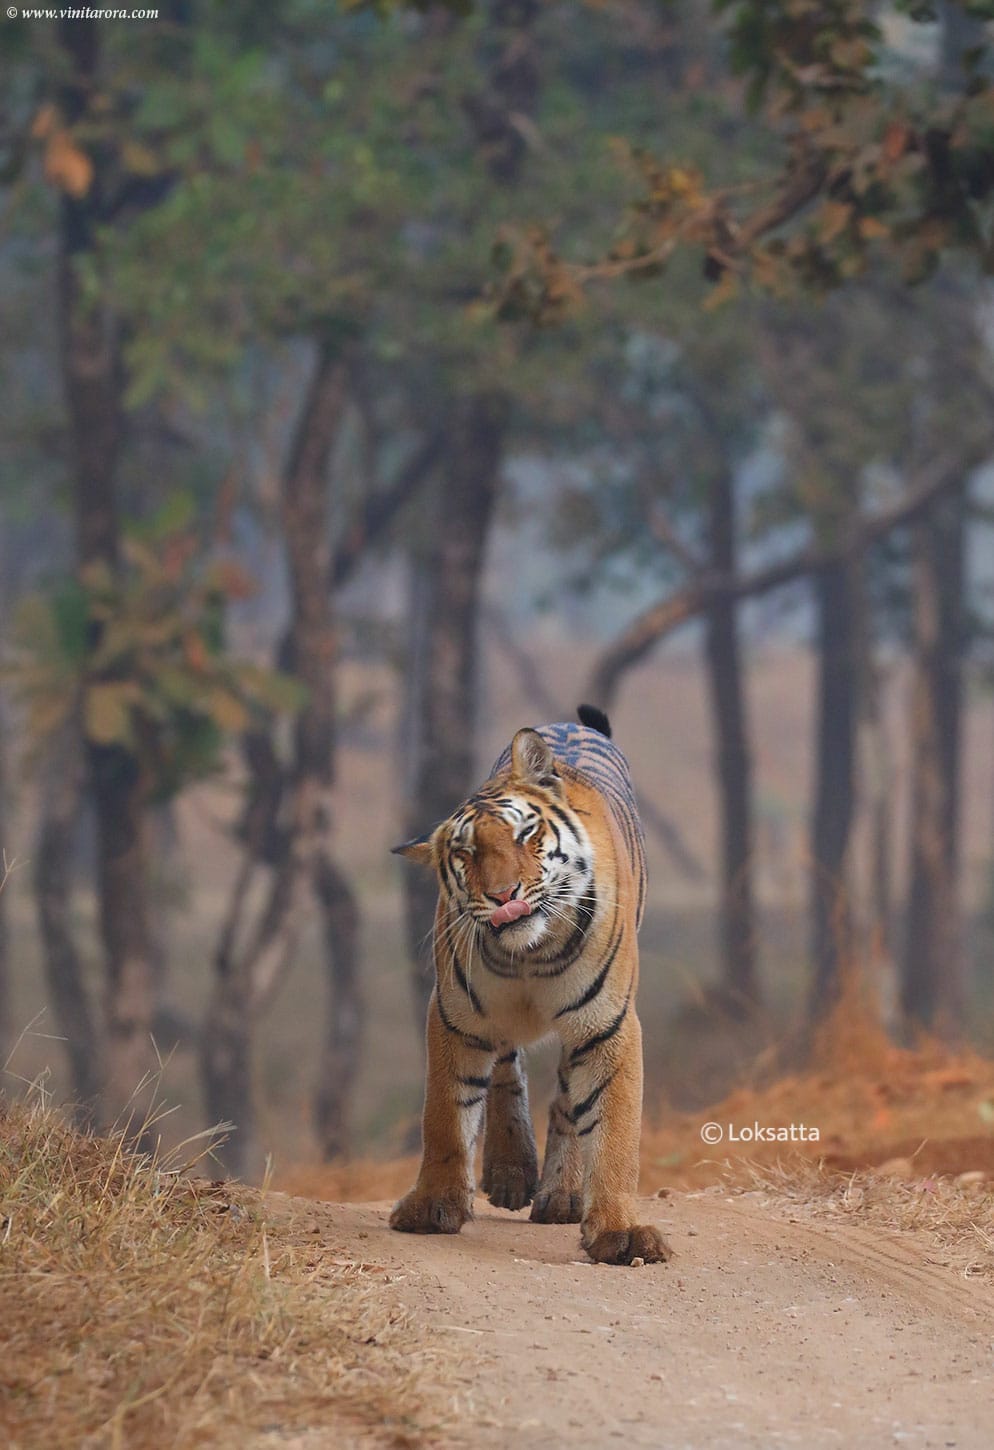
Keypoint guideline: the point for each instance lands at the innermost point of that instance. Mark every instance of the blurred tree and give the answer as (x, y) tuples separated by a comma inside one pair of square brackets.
[(698, 423), (190, 139), (62, 782), (93, 380), (443, 676), (862, 405), (289, 833), (845, 388), (6, 1016), (872, 162), (933, 984), (443, 673), (733, 757), (814, 374), (868, 191), (934, 974)]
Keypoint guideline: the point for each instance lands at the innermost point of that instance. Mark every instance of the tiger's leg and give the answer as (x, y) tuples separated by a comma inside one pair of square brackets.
[(510, 1158), (459, 1067), (560, 1194), (606, 1099)]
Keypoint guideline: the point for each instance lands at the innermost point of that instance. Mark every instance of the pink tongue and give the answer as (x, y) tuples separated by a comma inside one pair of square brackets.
[(510, 911)]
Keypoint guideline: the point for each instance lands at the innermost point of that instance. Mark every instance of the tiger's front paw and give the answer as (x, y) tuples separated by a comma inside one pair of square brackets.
[(508, 1185), (559, 1206), (421, 1212), (621, 1246)]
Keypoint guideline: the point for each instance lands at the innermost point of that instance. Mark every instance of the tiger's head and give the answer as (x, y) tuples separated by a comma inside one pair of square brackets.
[(515, 858)]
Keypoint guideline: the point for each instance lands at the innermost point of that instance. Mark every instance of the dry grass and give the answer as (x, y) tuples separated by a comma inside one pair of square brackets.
[(870, 1100), (954, 1216), (144, 1308)]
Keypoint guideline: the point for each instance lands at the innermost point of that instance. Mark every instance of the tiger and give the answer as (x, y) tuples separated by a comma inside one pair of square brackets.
[(542, 885)]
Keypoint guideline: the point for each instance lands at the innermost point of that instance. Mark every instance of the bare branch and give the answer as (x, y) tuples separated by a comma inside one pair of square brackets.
[(666, 830), (661, 619)]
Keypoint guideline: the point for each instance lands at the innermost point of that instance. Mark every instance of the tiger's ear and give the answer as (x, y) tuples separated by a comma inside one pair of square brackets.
[(420, 849), (532, 760)]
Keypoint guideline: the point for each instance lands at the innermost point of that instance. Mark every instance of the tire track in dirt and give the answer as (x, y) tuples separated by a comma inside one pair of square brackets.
[(762, 1332), (894, 1260)]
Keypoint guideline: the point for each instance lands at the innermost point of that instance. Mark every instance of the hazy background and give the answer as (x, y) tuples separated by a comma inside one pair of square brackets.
[(310, 496)]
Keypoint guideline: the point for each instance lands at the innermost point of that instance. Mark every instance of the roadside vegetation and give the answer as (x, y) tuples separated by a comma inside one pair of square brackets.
[(146, 1307)]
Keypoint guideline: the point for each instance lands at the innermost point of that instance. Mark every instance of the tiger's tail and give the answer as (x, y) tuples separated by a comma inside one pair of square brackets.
[(594, 719)]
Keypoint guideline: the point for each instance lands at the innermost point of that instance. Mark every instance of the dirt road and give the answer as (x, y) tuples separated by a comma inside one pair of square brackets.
[(761, 1332)]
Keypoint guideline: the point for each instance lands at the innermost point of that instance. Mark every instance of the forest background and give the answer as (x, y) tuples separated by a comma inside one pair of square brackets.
[(377, 380)]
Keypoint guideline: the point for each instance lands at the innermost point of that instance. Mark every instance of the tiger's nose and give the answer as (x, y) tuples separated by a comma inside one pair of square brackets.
[(503, 896)]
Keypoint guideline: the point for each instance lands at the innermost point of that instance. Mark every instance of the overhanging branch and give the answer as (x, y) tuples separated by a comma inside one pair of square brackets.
[(662, 618)]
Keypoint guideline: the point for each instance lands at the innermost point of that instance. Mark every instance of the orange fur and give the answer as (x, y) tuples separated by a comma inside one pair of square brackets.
[(562, 839)]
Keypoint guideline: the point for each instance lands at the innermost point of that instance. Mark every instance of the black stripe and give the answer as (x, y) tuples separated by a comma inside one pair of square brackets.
[(509, 1056), (567, 954), (470, 1038), (598, 982), (513, 1089), (563, 1082), (580, 1052), (469, 1102), (558, 853), (480, 1082), (577, 1113), (589, 1129), (463, 981), (446, 875), (501, 968), (564, 817)]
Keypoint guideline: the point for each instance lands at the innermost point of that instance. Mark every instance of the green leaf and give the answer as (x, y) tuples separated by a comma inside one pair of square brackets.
[(70, 611), (177, 513), (227, 711), (273, 689), (107, 713), (177, 685)]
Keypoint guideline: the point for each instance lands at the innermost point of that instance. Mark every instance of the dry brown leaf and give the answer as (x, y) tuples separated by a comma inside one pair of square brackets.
[(66, 165)]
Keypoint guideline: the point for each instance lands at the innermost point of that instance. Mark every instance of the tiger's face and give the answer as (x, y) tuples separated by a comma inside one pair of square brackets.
[(514, 858), (518, 864)]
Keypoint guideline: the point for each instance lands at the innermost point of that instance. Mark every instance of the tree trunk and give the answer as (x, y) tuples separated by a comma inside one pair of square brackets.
[(61, 802), (122, 885), (834, 766), (932, 985), (733, 761), (225, 1045), (6, 1007), (289, 817), (443, 671), (881, 792), (92, 373), (344, 1016), (313, 655)]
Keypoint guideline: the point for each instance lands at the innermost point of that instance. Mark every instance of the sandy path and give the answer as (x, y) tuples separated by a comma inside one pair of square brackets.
[(761, 1332)]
